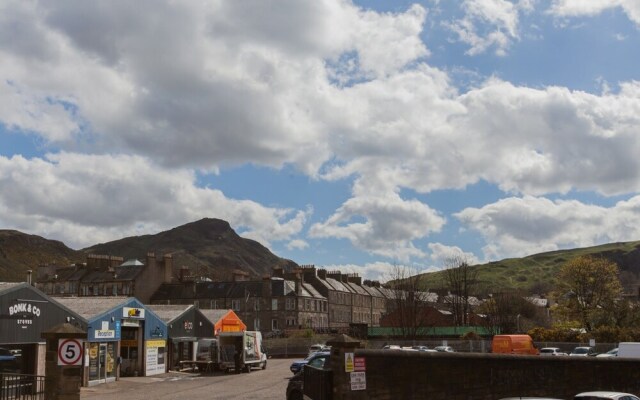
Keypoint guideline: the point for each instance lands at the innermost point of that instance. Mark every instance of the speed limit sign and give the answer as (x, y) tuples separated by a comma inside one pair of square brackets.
[(69, 352)]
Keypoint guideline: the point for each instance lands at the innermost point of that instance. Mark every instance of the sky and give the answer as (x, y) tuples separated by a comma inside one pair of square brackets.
[(353, 135)]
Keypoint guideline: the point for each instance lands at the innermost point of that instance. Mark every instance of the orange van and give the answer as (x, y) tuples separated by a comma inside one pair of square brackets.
[(513, 344)]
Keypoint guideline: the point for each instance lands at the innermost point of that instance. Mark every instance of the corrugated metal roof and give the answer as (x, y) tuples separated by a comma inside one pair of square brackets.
[(168, 313), (89, 307)]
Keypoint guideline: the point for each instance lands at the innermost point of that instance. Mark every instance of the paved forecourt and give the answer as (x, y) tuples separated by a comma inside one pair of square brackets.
[(270, 383)]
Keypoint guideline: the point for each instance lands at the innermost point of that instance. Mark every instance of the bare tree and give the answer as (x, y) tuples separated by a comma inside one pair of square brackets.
[(506, 312), (461, 280), (408, 302)]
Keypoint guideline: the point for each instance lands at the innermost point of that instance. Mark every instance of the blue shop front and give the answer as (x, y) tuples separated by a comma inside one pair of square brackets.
[(124, 338)]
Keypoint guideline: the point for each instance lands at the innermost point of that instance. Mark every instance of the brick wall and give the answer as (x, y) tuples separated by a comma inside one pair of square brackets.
[(397, 374)]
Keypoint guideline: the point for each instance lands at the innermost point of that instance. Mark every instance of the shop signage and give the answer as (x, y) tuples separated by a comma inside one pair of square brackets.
[(135, 313), (359, 364), (24, 313), (105, 334), (130, 322), (358, 381)]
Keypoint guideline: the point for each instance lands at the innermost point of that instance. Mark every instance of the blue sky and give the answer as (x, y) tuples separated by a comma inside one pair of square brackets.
[(351, 135)]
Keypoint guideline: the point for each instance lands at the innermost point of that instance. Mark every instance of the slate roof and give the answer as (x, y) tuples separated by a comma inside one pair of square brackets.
[(245, 288), (131, 263), (168, 313), (8, 286), (373, 291), (312, 291), (172, 291), (214, 315), (356, 288), (212, 290), (89, 307), (337, 285)]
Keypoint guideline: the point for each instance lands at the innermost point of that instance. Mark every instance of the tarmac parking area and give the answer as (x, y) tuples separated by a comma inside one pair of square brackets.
[(270, 383)]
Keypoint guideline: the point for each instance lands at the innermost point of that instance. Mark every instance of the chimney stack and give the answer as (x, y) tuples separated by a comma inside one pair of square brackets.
[(168, 268), (29, 272)]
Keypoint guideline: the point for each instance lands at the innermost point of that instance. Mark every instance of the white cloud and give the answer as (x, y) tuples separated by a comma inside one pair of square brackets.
[(576, 8), (385, 225), (515, 227), (378, 271), (442, 254), (85, 199), (297, 244), (489, 24), (239, 80), (337, 91)]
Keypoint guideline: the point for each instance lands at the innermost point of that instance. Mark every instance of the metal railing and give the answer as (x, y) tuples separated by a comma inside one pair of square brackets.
[(21, 386)]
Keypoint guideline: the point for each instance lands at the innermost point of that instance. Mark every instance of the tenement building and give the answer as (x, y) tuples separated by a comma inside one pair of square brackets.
[(105, 275), (306, 297)]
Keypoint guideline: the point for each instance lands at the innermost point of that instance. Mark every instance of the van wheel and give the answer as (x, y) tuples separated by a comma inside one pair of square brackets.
[(247, 368), (264, 365)]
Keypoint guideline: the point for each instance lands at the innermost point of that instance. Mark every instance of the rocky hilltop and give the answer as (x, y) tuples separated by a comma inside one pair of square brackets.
[(209, 247)]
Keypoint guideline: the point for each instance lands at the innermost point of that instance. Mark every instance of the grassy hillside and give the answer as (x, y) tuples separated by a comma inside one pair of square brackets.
[(537, 273)]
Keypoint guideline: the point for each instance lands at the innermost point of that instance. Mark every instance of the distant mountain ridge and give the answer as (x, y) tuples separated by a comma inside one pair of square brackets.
[(209, 247), (537, 273), (20, 252)]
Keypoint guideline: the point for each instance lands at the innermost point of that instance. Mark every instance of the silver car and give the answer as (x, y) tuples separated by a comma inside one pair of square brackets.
[(605, 396)]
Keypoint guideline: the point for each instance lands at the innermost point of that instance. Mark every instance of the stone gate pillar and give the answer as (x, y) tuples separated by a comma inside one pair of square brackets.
[(342, 356), (62, 382)]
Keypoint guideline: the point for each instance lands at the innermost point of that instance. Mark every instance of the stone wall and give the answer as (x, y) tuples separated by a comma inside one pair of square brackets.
[(397, 374)]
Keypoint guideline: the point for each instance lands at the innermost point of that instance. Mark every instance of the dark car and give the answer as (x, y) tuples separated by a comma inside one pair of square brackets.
[(8, 362), (296, 382), (296, 366)]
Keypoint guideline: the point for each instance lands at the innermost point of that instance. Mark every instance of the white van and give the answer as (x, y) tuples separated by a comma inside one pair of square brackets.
[(629, 349), (246, 346)]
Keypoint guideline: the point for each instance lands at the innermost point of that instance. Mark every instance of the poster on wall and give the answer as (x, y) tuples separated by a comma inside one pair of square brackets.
[(155, 359)]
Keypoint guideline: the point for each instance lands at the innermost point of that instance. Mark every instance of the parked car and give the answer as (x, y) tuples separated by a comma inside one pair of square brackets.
[(552, 351), (529, 398), (445, 349), (610, 353), (583, 351), (296, 382), (296, 366), (391, 347), (422, 348), (605, 396), (8, 362)]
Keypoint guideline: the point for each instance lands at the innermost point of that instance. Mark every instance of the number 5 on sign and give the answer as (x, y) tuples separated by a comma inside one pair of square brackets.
[(69, 352)]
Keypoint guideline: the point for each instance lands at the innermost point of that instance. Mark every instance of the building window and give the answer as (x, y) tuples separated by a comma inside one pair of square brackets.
[(274, 304), (291, 304), (196, 303), (256, 324), (307, 304), (235, 304), (274, 324), (213, 304)]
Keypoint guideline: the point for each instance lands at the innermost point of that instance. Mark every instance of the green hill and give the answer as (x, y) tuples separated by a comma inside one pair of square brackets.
[(537, 273)]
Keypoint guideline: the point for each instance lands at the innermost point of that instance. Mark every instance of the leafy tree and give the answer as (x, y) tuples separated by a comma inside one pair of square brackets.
[(587, 286)]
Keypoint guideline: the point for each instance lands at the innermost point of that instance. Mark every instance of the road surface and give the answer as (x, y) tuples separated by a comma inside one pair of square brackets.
[(259, 384)]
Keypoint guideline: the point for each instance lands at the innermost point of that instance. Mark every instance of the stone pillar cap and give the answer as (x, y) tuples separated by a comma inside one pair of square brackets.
[(343, 341)]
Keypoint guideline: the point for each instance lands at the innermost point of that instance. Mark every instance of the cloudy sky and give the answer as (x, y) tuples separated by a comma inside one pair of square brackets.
[(343, 134)]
